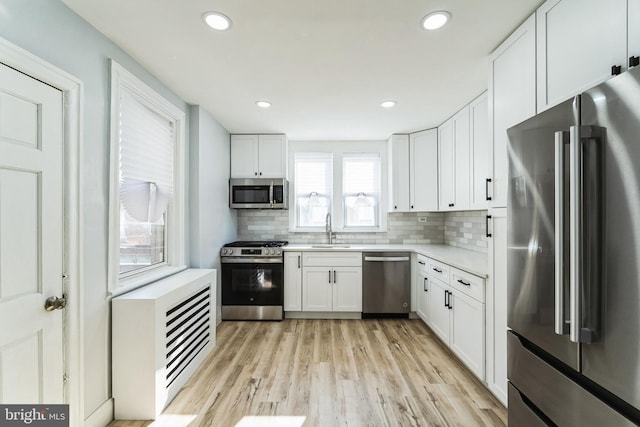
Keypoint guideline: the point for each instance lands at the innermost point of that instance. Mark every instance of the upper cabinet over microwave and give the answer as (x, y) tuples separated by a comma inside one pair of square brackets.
[(259, 156)]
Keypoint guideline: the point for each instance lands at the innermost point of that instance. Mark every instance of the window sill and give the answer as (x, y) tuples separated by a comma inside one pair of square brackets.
[(341, 231), (143, 279)]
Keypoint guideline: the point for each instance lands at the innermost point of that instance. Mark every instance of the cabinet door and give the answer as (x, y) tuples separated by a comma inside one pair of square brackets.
[(467, 331), (292, 281), (317, 289), (512, 98), (423, 170), (347, 289), (423, 296), (446, 166), (633, 26), (578, 42), (496, 297), (438, 311), (272, 156), (480, 151), (461, 159), (398, 147), (244, 156)]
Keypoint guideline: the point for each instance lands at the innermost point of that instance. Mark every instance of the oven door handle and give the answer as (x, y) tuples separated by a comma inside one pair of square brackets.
[(233, 260)]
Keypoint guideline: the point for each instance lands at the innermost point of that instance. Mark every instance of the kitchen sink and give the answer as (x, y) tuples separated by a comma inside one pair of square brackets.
[(327, 246)]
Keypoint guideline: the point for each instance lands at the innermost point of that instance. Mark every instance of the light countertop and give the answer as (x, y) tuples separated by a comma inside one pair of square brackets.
[(476, 263)]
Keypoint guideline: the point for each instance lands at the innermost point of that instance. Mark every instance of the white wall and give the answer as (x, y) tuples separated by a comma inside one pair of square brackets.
[(51, 31), (212, 222)]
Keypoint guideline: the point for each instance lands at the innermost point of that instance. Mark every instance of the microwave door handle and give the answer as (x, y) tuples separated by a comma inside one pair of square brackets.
[(560, 327), (271, 201)]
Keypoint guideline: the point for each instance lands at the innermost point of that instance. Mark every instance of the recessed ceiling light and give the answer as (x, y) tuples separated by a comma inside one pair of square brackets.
[(436, 20), (388, 103), (217, 20), (263, 104)]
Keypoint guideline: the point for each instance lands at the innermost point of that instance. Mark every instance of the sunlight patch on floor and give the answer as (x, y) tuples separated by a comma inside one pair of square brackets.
[(270, 421)]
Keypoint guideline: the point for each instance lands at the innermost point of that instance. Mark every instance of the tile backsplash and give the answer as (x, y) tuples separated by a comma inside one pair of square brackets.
[(462, 229)]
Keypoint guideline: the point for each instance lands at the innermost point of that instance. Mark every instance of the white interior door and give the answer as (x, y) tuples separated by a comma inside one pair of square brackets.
[(31, 239)]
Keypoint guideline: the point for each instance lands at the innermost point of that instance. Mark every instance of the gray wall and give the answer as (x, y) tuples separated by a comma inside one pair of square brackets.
[(51, 31), (212, 222)]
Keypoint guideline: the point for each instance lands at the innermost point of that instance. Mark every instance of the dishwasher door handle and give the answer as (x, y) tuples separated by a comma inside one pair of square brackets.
[(387, 258)]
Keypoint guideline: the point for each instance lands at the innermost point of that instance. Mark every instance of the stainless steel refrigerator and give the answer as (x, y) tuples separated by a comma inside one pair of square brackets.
[(574, 260)]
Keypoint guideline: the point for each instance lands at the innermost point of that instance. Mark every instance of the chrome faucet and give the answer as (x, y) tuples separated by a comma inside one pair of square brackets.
[(328, 228)]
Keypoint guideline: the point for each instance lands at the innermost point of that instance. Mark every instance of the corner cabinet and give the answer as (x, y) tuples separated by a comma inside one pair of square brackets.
[(413, 172), (332, 281), (512, 99), (259, 156), (453, 162), (293, 281)]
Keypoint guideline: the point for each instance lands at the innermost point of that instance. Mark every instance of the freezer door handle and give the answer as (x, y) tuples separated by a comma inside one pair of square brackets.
[(560, 326), (585, 201)]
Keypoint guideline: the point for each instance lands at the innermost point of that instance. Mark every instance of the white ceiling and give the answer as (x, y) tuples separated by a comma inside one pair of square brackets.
[(324, 64)]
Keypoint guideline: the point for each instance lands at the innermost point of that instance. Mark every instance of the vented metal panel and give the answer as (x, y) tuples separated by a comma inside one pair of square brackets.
[(188, 332)]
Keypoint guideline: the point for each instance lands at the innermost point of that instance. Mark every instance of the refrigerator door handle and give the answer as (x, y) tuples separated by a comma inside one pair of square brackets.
[(586, 227), (560, 326)]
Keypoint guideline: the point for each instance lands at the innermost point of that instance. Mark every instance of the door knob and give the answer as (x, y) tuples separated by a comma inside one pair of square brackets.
[(55, 303)]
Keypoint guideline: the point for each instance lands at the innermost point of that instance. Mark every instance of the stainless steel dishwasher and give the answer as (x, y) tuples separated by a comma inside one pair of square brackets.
[(386, 284)]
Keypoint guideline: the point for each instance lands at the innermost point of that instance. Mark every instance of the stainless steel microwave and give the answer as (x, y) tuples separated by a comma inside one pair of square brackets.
[(259, 193)]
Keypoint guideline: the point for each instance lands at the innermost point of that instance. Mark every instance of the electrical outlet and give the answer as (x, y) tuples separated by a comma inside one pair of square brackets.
[(422, 219)]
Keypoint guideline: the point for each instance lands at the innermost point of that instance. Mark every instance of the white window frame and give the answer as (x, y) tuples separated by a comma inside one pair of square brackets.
[(378, 195), (339, 150), (175, 214)]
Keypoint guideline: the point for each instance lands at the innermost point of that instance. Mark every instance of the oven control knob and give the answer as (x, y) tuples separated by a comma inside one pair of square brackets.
[(269, 251)]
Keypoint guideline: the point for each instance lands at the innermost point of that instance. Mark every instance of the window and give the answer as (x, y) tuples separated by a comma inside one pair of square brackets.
[(361, 190), (146, 200), (314, 188), (345, 179)]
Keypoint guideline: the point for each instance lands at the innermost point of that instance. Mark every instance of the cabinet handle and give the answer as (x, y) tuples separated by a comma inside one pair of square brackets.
[(634, 61), (464, 283), (436, 270), (487, 225), (616, 69), (424, 284), (446, 294), (421, 263), (411, 206), (329, 276), (334, 276), (451, 205), (449, 302), (255, 173), (298, 261), (260, 174), (486, 188), (395, 207)]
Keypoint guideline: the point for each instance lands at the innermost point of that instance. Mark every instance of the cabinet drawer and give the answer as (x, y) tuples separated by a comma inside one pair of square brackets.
[(332, 259), (422, 263), (468, 284), (438, 270)]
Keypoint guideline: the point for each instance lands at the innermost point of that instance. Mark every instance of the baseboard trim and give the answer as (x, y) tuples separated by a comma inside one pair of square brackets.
[(101, 416), (321, 315)]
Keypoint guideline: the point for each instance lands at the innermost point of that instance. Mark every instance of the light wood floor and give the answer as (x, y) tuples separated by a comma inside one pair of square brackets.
[(334, 373)]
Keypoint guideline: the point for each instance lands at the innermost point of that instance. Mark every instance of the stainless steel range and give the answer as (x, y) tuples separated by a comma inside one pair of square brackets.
[(252, 280)]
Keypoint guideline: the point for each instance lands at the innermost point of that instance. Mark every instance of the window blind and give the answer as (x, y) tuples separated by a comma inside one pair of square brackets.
[(314, 188), (146, 160)]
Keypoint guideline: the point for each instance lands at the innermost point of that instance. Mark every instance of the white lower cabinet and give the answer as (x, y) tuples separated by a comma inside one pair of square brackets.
[(455, 313), (422, 289), (332, 281), (292, 281)]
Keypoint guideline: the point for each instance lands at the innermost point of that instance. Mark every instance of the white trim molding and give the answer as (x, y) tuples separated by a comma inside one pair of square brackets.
[(72, 90), (101, 416)]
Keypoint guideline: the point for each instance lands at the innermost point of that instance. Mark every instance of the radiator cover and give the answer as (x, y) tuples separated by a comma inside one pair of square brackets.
[(160, 335)]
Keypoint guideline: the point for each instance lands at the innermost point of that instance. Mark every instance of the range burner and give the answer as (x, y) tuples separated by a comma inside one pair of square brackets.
[(257, 244)]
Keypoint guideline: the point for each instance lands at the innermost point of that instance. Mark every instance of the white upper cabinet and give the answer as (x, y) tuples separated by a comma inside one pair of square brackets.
[(512, 99), (480, 151), (413, 172), (579, 41), (453, 162), (398, 147), (423, 171), (633, 25), (258, 156)]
